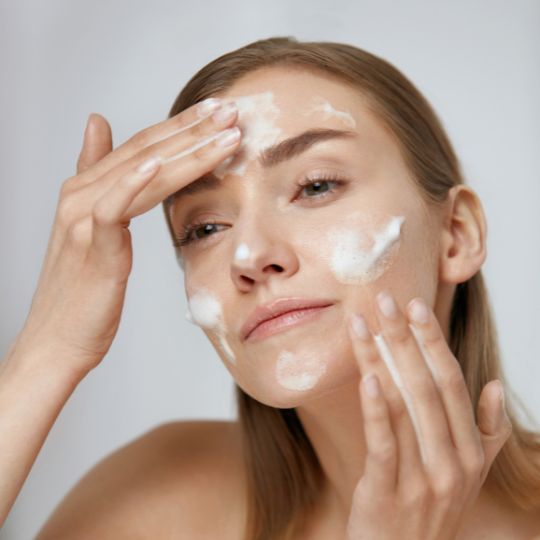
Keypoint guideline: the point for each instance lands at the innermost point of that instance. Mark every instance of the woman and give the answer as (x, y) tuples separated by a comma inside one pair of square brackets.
[(332, 255)]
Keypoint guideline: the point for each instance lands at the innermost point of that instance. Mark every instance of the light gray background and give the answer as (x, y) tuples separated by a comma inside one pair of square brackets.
[(477, 62)]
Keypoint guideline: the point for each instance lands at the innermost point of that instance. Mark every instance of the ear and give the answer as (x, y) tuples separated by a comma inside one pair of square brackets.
[(463, 236)]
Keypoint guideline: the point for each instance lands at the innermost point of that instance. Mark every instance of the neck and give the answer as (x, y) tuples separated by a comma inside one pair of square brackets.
[(333, 423)]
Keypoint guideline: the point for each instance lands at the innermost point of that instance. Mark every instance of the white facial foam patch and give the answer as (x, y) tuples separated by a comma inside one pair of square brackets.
[(350, 263), (322, 105), (204, 309), (298, 371), (257, 115), (242, 253)]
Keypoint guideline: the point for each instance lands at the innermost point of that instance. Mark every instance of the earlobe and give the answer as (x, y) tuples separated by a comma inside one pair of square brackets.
[(463, 236)]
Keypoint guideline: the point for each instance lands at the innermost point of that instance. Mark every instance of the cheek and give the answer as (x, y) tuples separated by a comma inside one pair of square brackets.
[(205, 310), (356, 251)]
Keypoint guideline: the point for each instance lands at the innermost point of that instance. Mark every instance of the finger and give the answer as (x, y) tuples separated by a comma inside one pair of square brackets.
[(142, 144), (381, 448), (108, 226), (449, 379), (97, 142), (494, 425), (420, 393), (369, 360)]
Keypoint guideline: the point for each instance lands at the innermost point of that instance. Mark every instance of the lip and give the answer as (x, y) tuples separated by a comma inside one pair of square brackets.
[(281, 313)]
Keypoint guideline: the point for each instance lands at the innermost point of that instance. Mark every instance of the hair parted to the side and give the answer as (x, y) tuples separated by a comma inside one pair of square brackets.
[(283, 472)]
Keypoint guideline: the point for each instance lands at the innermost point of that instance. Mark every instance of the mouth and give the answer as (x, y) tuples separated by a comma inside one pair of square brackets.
[(285, 321)]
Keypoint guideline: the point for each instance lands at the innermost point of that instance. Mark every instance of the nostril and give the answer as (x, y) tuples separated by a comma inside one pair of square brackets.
[(247, 280)]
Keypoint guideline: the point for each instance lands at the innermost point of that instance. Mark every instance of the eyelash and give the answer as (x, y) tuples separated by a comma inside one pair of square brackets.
[(184, 238)]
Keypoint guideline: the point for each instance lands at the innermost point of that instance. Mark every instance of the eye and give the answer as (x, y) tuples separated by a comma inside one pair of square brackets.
[(199, 231), (319, 186)]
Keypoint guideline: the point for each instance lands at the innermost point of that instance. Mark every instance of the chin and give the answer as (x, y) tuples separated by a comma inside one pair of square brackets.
[(290, 375)]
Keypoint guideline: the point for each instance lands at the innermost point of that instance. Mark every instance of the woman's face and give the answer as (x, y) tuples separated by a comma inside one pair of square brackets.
[(362, 228)]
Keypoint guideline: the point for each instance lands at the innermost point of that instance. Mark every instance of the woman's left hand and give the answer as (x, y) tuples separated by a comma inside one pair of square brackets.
[(426, 459)]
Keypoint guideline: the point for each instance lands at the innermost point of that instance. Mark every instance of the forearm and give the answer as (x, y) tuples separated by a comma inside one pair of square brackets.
[(32, 395)]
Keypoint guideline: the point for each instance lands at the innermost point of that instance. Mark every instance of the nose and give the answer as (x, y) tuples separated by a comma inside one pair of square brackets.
[(261, 254)]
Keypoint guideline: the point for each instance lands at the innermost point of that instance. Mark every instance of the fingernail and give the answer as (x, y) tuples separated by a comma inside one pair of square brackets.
[(359, 326), (89, 125), (208, 106), (224, 114), (228, 137), (418, 311), (387, 305)]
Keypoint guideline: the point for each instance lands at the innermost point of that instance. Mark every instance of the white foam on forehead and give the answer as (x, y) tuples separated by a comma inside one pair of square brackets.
[(352, 264), (257, 116), (298, 371), (322, 105)]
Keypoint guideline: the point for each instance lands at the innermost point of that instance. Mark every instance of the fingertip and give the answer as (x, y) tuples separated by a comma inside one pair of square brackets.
[(358, 326), (418, 311)]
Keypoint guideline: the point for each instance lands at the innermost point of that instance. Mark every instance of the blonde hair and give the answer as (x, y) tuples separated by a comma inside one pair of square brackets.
[(283, 472)]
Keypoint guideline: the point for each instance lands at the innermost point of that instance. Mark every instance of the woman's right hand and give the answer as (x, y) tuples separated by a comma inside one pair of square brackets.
[(76, 309)]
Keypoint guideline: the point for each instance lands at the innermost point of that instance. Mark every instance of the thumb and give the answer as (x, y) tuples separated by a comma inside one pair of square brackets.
[(97, 142), (493, 422)]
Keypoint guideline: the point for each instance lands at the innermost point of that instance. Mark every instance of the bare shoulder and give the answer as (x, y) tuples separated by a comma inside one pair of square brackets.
[(163, 484)]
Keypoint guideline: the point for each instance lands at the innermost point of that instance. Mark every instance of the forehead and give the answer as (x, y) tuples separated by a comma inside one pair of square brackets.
[(295, 98)]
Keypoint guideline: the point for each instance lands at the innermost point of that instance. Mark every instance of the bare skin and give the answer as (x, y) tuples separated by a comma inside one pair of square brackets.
[(168, 482)]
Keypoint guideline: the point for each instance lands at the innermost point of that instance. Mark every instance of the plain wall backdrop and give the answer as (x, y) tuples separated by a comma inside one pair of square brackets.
[(478, 63)]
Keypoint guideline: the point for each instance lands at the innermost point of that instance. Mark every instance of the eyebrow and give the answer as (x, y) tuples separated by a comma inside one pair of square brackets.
[(270, 157)]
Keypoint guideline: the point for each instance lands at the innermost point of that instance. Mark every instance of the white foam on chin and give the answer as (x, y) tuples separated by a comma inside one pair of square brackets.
[(298, 371)]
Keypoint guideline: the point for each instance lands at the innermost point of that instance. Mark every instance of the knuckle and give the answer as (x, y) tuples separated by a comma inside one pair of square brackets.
[(385, 454), (455, 383), (446, 486), (200, 154), (80, 233), (66, 211), (401, 337), (415, 494), (423, 391), (141, 139), (68, 186), (101, 215), (475, 465)]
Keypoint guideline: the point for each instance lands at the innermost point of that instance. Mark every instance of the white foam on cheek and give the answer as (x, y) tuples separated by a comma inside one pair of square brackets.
[(298, 371), (242, 253), (322, 105), (257, 115), (350, 263), (204, 309), (388, 359)]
